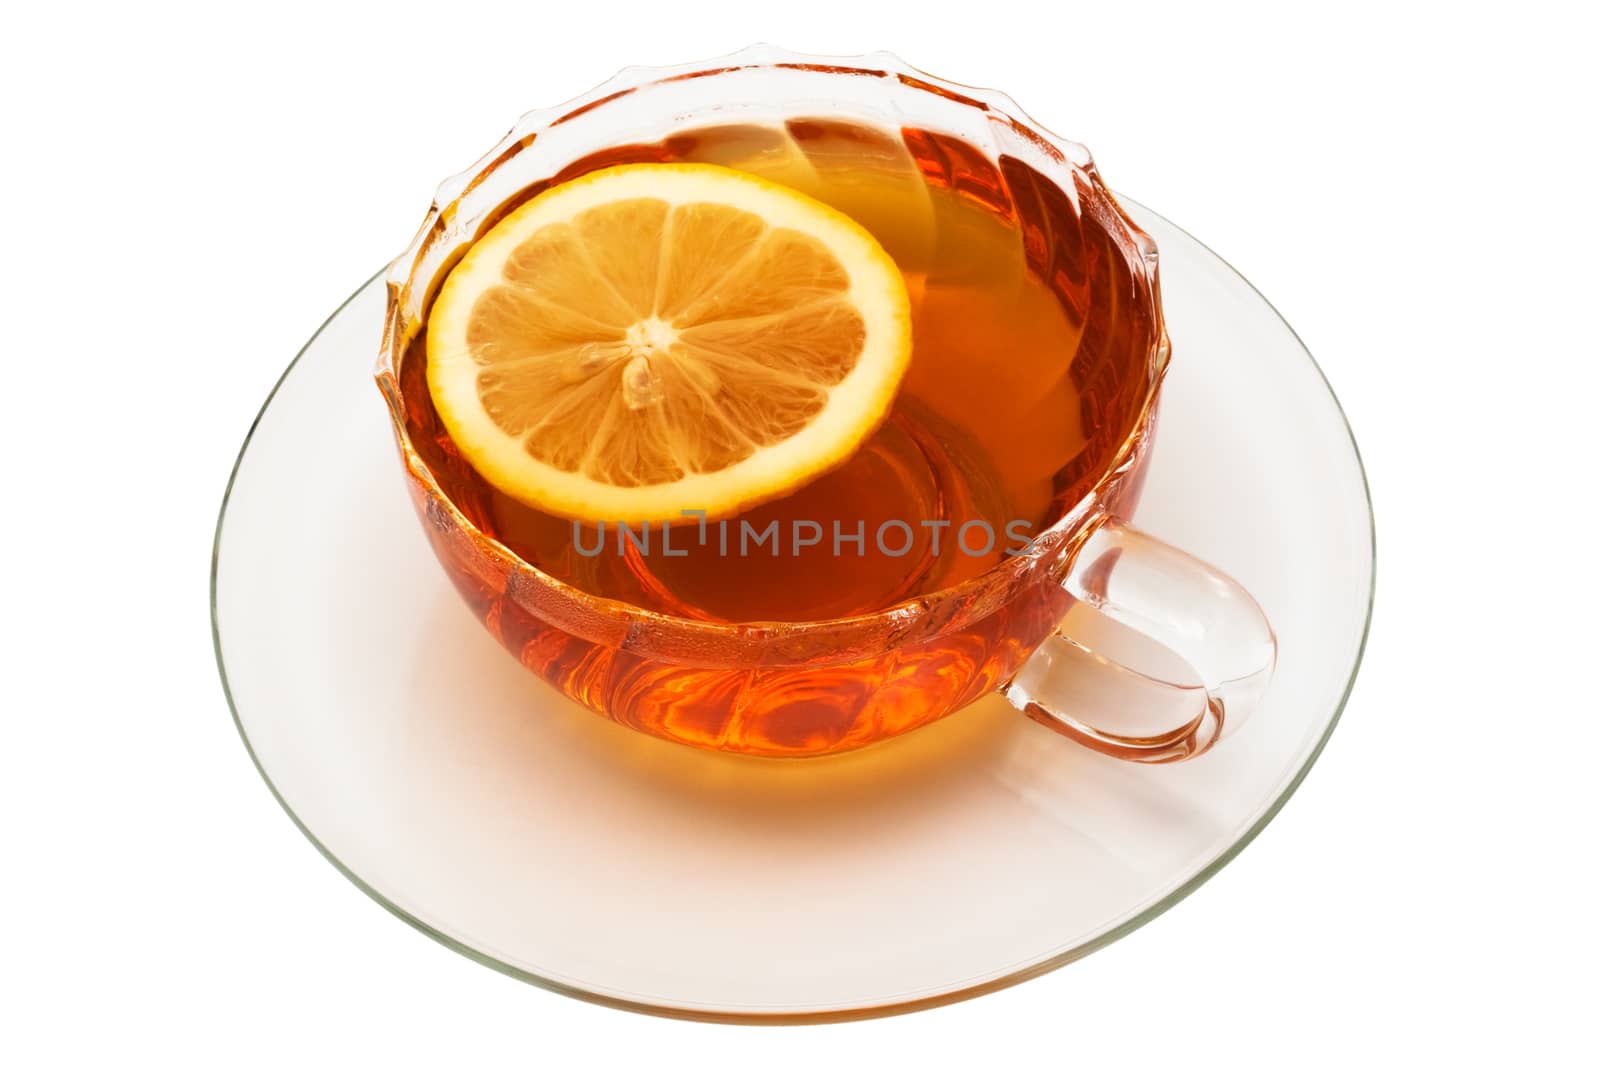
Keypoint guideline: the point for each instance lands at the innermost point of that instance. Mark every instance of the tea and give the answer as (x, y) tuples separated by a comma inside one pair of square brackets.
[(1003, 419)]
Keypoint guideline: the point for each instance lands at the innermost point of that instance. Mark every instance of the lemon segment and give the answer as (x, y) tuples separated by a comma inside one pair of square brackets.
[(655, 338)]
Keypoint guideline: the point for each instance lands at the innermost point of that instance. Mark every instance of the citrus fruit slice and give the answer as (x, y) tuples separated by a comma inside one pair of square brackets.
[(651, 339)]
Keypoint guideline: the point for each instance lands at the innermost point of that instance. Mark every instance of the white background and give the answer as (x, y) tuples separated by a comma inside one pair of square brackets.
[(189, 192)]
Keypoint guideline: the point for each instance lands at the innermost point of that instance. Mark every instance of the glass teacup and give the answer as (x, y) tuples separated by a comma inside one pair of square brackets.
[(828, 685)]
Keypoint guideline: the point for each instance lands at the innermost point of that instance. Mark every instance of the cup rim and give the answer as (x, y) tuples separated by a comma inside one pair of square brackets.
[(645, 631)]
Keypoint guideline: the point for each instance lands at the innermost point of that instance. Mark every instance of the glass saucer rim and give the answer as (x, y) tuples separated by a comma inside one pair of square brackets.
[(825, 1015)]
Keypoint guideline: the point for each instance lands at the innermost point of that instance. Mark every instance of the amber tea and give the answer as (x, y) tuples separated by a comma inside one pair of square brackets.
[(1006, 415)]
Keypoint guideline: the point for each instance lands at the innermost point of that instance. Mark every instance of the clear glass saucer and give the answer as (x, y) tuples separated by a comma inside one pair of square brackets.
[(560, 848)]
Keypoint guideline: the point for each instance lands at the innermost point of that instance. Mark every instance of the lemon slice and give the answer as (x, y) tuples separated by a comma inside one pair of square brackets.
[(651, 339)]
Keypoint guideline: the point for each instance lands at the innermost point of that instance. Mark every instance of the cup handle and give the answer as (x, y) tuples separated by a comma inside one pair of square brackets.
[(1198, 614)]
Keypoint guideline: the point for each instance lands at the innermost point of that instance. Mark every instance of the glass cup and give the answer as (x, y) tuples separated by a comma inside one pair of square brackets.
[(812, 688)]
